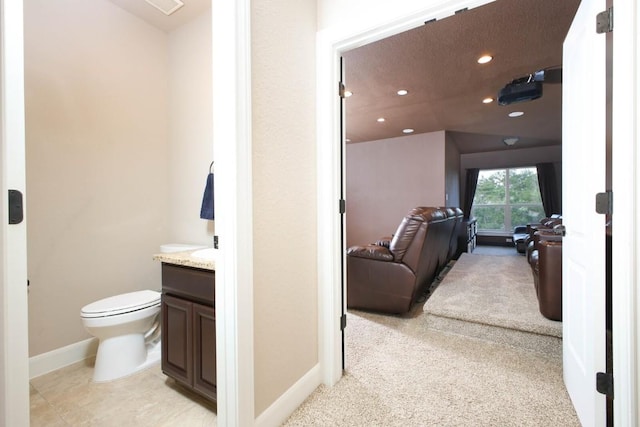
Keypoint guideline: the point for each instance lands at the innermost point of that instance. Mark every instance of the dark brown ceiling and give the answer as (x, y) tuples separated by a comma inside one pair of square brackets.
[(437, 64)]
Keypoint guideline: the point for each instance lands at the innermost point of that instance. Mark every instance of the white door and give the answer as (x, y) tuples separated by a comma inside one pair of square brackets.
[(584, 168), (14, 367)]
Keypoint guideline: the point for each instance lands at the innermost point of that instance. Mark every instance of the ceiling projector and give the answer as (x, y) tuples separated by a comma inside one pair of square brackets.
[(529, 87), (519, 92)]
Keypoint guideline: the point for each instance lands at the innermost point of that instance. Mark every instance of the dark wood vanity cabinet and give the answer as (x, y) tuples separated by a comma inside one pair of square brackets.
[(189, 327)]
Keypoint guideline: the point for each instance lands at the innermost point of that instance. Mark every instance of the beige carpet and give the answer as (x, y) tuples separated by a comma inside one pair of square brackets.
[(401, 373), (480, 354), (493, 297)]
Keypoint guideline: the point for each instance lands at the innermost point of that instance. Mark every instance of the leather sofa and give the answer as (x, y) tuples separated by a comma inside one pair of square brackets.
[(391, 274)]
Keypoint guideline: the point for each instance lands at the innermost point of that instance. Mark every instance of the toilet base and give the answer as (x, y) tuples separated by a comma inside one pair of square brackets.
[(124, 355)]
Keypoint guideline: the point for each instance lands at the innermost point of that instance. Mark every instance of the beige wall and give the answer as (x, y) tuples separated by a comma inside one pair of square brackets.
[(118, 147), (284, 195), (349, 13), (191, 129), (363, 15), (96, 137), (386, 178)]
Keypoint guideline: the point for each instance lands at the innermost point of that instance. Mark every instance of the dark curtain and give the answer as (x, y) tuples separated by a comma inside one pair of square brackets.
[(548, 189), (470, 190)]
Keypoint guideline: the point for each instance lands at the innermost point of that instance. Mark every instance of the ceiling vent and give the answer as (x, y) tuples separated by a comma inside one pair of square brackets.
[(166, 6)]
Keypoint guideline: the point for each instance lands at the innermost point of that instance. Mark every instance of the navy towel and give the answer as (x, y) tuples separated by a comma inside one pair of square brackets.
[(206, 211)]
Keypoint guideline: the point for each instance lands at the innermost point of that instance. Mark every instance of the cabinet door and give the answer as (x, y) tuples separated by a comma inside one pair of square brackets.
[(204, 332), (177, 341)]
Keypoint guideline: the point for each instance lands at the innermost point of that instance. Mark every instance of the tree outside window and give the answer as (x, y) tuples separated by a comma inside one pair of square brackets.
[(506, 198)]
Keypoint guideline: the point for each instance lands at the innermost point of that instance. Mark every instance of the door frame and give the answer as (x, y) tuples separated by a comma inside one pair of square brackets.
[(332, 42), (368, 28), (14, 330), (626, 188), (232, 145), (231, 99)]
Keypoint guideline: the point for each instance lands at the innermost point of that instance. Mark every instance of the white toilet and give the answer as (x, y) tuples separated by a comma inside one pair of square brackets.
[(128, 328)]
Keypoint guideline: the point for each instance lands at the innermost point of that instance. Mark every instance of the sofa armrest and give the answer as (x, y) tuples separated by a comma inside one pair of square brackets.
[(376, 252)]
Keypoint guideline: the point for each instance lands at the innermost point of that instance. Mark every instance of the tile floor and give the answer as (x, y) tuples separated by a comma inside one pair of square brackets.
[(68, 397)]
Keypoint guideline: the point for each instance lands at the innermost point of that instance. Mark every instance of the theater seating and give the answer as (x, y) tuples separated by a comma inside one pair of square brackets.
[(549, 288), (391, 274), (545, 258), (522, 234), (458, 216)]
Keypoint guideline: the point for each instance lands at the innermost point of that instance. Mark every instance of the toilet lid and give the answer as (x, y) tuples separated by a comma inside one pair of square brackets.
[(120, 304)]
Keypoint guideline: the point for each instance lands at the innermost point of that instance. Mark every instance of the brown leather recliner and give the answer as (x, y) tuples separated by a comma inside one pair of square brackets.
[(546, 267), (536, 236), (453, 243), (389, 276), (532, 249), (545, 224)]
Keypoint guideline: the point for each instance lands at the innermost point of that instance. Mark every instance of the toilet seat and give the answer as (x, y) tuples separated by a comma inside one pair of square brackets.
[(121, 304)]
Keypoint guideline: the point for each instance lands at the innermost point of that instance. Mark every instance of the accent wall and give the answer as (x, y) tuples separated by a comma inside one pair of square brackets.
[(388, 177)]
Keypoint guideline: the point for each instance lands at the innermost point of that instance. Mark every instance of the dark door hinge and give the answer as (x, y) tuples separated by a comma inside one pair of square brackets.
[(343, 322), (16, 212), (604, 21), (604, 203), (342, 206), (604, 384), (341, 90), (215, 242)]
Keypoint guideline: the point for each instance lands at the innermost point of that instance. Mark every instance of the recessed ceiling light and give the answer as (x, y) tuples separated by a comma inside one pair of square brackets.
[(407, 130), (402, 92), (510, 140), (487, 100), (347, 93), (380, 119), (484, 59), (516, 114)]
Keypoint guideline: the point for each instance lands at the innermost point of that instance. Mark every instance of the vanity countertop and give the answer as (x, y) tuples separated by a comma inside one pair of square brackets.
[(185, 258)]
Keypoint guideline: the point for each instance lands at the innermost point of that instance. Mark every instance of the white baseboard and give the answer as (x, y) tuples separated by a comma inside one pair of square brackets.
[(61, 357), (280, 410)]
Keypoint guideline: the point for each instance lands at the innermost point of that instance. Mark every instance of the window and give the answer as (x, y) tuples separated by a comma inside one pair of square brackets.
[(506, 198)]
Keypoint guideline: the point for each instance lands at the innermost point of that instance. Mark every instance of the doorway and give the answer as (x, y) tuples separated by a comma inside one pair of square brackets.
[(335, 45), (410, 82), (118, 125)]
